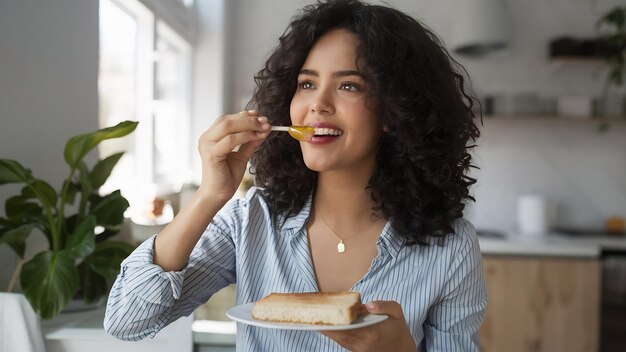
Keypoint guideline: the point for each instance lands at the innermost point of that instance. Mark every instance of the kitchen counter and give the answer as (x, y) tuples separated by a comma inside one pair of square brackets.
[(553, 244)]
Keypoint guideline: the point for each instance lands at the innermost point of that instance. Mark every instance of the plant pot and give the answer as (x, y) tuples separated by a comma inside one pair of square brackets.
[(20, 328)]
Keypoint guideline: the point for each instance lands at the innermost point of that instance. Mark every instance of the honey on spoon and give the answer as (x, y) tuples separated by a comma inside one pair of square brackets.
[(301, 133)]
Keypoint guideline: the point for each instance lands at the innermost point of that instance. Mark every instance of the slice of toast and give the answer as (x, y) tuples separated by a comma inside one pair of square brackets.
[(322, 308)]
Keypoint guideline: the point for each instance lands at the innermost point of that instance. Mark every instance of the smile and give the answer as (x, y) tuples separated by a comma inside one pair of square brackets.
[(328, 131)]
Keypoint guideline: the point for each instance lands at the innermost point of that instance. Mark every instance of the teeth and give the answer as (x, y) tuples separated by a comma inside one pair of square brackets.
[(328, 132)]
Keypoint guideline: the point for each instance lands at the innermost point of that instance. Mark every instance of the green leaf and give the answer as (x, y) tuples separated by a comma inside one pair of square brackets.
[(70, 223), (84, 179), (42, 190), (19, 248), (78, 146), (16, 238), (82, 242), (20, 210), (5, 222), (11, 172), (27, 192), (92, 285), (109, 211), (49, 282), (108, 256), (72, 189), (85, 186), (103, 169)]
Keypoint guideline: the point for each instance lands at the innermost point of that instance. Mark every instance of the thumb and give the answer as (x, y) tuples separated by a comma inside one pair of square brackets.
[(391, 308)]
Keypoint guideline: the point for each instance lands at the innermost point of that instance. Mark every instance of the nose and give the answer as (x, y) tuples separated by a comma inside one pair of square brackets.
[(322, 103)]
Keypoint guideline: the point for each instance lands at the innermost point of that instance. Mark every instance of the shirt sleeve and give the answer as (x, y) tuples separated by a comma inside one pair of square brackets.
[(144, 299), (453, 322)]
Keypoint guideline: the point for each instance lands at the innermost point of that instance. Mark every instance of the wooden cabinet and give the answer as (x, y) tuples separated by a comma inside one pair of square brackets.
[(541, 304)]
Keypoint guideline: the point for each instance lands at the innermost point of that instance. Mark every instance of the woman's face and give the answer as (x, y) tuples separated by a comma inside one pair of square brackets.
[(331, 95)]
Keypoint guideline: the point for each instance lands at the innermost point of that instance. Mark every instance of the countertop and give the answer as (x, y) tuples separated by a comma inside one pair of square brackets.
[(552, 244)]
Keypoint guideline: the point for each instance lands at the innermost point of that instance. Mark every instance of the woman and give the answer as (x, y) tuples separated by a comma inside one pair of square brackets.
[(373, 203)]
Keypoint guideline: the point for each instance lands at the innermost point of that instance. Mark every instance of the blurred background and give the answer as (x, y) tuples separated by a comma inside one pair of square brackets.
[(551, 191)]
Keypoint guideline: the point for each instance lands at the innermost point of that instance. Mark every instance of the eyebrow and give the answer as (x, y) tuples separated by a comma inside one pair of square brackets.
[(337, 74)]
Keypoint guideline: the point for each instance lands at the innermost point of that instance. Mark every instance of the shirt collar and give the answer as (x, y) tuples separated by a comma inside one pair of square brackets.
[(296, 223), (389, 238)]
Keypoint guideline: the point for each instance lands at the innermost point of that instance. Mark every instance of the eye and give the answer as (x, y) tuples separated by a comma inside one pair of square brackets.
[(305, 85), (351, 87)]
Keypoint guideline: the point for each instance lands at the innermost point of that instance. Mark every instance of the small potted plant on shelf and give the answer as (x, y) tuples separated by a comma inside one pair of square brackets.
[(613, 49), (82, 258)]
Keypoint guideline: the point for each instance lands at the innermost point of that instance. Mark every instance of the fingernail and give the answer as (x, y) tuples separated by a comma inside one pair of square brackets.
[(370, 305), (251, 111), (262, 119)]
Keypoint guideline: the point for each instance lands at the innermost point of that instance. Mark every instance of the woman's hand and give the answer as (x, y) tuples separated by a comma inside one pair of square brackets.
[(223, 168), (391, 335)]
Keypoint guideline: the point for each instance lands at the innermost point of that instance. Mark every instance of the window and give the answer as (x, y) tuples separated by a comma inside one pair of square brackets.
[(172, 93), (187, 3), (144, 76)]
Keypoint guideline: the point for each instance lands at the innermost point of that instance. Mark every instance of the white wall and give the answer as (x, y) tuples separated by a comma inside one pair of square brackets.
[(569, 161), (574, 165), (254, 28), (48, 87)]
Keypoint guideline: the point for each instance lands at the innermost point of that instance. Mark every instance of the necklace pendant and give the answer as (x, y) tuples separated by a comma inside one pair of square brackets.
[(341, 247)]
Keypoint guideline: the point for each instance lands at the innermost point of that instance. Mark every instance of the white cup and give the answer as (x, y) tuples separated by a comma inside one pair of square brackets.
[(533, 215)]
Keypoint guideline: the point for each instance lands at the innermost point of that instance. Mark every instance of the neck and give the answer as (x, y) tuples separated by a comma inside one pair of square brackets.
[(343, 201)]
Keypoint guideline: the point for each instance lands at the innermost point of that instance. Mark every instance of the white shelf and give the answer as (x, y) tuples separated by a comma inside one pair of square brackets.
[(552, 245)]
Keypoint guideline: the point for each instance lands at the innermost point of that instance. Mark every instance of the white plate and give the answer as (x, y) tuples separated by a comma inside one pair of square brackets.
[(243, 314)]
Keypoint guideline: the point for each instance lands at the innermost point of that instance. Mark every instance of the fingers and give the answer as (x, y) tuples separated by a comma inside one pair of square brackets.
[(392, 334), (363, 339), (345, 339), (391, 308), (230, 141), (245, 121), (246, 129)]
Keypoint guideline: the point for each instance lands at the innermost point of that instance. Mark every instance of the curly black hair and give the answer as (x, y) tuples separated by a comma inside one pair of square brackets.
[(421, 180)]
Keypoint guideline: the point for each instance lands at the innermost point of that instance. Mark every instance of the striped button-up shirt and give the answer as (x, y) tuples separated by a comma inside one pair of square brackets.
[(440, 287)]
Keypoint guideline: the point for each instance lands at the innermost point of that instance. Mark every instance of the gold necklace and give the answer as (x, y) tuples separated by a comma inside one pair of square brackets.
[(340, 246)]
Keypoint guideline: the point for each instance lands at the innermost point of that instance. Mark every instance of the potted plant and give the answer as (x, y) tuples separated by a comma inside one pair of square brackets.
[(613, 49), (82, 259)]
